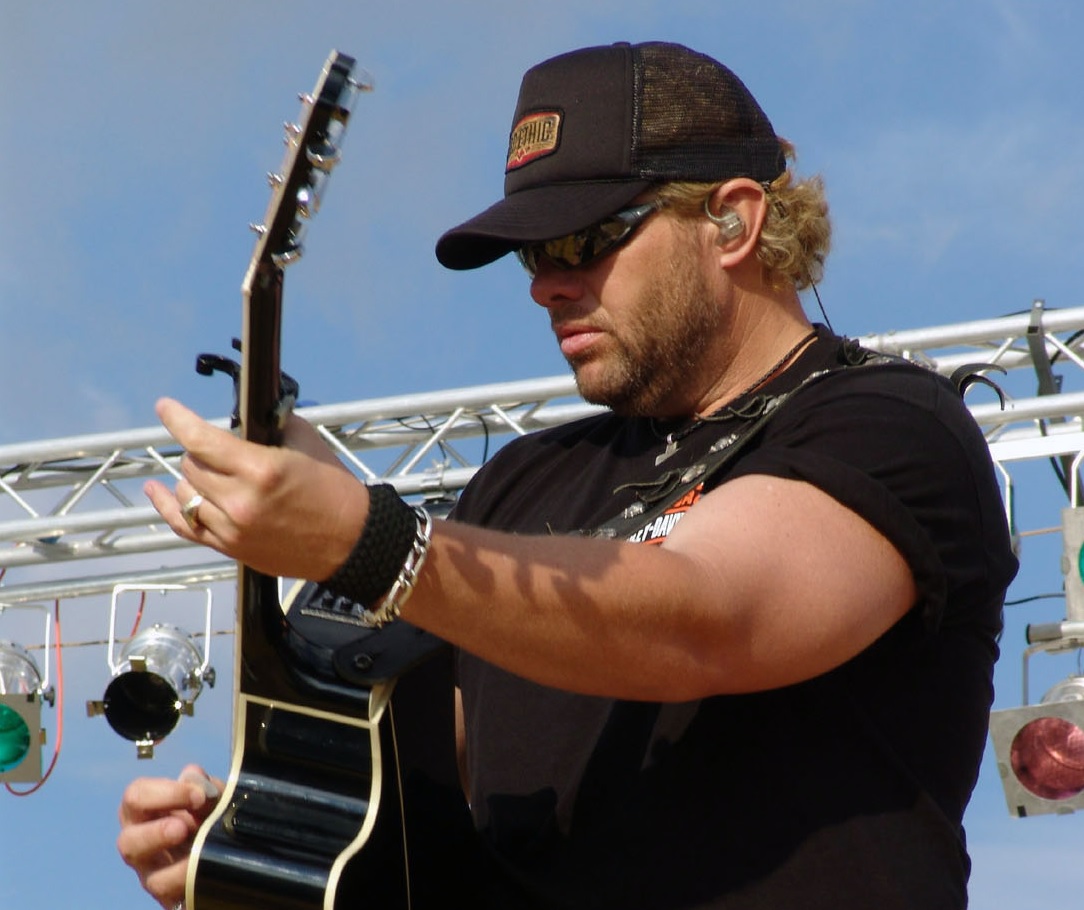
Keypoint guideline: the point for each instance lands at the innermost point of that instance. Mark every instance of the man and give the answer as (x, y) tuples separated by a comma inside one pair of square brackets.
[(780, 702)]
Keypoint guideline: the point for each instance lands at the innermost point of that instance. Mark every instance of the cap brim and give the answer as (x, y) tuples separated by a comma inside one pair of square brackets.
[(540, 213)]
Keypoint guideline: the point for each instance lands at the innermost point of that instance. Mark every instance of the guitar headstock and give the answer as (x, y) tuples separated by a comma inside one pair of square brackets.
[(313, 148)]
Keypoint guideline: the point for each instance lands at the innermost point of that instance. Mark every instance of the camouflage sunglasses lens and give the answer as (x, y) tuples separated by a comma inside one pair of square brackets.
[(593, 242)]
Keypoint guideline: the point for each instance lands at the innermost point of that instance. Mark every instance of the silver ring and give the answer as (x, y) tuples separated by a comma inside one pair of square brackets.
[(189, 512)]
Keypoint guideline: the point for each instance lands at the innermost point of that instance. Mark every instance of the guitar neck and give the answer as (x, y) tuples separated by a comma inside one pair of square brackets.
[(259, 666), (259, 402)]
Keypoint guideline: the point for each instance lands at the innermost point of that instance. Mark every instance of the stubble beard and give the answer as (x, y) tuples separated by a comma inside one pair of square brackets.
[(658, 349)]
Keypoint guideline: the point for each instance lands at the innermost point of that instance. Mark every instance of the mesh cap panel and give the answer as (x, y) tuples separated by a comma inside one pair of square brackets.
[(696, 120)]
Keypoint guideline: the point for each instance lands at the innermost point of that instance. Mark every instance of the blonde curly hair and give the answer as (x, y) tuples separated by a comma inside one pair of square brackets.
[(797, 233)]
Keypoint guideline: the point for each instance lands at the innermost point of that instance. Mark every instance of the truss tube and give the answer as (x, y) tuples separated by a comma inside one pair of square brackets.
[(71, 448), (206, 573), (977, 332), (1043, 407), (443, 402), (126, 545), (47, 527), (1027, 446)]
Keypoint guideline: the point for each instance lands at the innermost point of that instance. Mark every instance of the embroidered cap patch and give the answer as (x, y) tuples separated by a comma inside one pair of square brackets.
[(534, 136)]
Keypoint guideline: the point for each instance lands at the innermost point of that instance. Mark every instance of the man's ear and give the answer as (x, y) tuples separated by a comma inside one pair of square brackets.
[(737, 208)]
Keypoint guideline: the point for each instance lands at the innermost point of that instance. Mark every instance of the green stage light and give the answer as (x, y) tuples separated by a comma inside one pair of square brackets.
[(21, 736), (1072, 561), (14, 738)]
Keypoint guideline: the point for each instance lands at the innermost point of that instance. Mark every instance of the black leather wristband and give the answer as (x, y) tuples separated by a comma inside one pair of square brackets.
[(385, 542)]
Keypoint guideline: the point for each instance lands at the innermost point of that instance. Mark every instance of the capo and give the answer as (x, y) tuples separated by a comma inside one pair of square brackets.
[(289, 388)]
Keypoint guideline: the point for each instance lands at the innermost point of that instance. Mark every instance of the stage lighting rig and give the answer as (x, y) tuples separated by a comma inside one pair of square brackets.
[(157, 675)]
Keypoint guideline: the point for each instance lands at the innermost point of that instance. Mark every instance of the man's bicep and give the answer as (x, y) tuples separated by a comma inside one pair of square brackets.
[(802, 582)]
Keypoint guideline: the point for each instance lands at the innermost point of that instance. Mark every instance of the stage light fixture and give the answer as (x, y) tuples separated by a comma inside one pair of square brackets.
[(157, 675), (23, 689), (1040, 748), (1040, 752)]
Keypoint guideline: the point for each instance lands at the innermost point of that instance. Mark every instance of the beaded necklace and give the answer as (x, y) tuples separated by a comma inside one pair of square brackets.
[(673, 439)]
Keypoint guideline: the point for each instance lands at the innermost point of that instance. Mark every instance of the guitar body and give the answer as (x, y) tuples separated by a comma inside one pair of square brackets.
[(299, 828), (323, 808), (332, 799)]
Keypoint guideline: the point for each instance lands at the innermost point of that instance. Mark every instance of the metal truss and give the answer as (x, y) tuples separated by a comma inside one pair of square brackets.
[(79, 498)]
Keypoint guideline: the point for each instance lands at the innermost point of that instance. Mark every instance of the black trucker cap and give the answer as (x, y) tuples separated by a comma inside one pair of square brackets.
[(596, 127)]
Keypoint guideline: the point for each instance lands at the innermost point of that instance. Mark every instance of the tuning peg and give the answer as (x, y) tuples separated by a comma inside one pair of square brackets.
[(288, 256), (323, 157), (306, 98), (292, 247), (258, 229), (275, 180), (361, 81), (292, 132)]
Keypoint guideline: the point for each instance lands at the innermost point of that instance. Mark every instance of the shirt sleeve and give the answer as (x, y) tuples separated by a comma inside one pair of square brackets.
[(896, 445)]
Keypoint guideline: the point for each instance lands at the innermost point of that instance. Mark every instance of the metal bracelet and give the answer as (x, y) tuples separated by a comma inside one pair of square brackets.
[(367, 574), (387, 610)]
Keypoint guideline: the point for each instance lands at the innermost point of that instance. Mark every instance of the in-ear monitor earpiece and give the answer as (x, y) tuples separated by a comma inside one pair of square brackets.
[(728, 221)]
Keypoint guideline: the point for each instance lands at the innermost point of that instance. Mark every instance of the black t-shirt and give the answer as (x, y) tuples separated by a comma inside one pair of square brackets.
[(844, 791)]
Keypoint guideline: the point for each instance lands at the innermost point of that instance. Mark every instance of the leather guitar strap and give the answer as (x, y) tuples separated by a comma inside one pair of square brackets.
[(657, 496)]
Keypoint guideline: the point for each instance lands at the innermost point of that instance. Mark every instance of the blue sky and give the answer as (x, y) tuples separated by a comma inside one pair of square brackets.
[(138, 134)]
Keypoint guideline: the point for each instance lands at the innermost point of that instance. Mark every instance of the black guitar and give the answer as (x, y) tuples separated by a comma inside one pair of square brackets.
[(328, 800)]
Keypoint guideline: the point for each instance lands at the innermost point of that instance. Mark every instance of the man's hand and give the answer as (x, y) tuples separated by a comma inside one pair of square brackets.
[(292, 511), (158, 819)]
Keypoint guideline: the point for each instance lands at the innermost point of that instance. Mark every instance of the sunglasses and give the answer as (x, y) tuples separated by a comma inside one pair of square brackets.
[(593, 242)]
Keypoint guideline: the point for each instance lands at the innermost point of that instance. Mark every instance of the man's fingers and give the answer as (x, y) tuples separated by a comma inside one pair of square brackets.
[(195, 775), (148, 844), (167, 504), (211, 446), (152, 797)]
